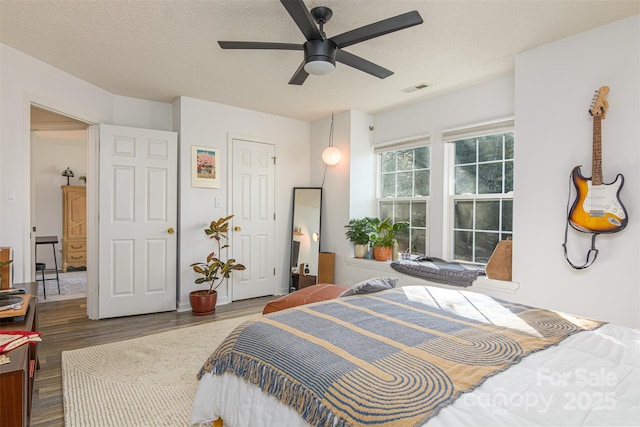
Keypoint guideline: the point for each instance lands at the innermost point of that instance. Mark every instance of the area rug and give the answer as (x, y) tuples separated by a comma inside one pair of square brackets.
[(73, 284), (147, 381)]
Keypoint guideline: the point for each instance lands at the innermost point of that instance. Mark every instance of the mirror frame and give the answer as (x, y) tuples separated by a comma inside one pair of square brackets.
[(293, 231)]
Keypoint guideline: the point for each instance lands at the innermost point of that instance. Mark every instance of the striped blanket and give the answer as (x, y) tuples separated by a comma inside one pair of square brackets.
[(392, 358)]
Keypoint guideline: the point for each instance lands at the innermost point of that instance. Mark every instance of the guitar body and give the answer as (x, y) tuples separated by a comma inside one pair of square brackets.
[(597, 208)]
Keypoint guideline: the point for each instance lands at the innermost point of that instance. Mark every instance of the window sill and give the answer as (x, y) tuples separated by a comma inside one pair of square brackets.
[(482, 284)]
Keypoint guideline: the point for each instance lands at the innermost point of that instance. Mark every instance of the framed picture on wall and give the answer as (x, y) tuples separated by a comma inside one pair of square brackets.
[(205, 167)]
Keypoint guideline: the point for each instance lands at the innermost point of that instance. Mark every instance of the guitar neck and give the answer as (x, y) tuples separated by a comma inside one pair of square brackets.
[(596, 160)]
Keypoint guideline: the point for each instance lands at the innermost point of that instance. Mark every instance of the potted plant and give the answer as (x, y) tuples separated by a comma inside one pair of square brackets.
[(383, 237), (214, 270), (2, 264), (358, 231)]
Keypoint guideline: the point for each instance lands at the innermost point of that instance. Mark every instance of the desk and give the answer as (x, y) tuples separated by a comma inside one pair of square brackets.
[(16, 377)]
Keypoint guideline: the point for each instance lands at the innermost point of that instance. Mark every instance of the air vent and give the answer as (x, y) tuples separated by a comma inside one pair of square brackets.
[(416, 87)]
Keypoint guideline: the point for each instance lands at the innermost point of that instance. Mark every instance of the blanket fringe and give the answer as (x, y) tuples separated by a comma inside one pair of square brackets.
[(284, 389)]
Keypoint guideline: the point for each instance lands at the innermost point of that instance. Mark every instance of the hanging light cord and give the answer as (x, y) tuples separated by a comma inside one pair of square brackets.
[(324, 173)]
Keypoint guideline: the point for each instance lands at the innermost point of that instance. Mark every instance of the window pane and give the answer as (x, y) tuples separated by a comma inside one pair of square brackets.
[(487, 215), (388, 161), (465, 151), (463, 214), (405, 173), (422, 158), (405, 160), (465, 177), (480, 223), (485, 244), (508, 145), (490, 148), (388, 185), (490, 178), (418, 240), (419, 214), (405, 184), (463, 246), (401, 212), (508, 176), (386, 209), (507, 215), (422, 187), (403, 240)]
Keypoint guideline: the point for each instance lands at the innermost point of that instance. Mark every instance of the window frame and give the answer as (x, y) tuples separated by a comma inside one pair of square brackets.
[(404, 144), (449, 138)]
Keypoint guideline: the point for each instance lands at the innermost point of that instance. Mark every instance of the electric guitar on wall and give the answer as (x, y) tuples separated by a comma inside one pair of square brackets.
[(597, 208)]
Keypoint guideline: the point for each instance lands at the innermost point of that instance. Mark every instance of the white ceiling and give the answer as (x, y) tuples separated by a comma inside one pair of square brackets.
[(159, 50)]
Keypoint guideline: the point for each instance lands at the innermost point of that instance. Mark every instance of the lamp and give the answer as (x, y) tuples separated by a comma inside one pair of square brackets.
[(319, 68), (68, 173), (331, 156)]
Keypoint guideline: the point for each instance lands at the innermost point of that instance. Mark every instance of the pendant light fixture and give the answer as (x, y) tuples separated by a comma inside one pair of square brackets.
[(331, 155)]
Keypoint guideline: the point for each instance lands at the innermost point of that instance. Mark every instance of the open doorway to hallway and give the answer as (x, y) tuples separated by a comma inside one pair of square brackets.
[(58, 204)]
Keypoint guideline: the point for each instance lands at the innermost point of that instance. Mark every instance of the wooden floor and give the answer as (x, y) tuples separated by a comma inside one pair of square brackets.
[(64, 326)]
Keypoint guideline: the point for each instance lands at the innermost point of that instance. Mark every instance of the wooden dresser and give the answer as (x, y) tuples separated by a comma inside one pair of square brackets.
[(74, 226), (17, 377)]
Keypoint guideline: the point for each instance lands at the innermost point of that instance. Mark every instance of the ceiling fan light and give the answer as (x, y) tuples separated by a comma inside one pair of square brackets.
[(331, 156), (319, 68)]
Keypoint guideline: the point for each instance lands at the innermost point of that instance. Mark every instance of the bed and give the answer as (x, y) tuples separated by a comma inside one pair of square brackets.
[(421, 355)]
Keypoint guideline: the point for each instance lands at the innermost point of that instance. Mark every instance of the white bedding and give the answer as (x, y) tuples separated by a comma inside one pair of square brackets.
[(591, 378)]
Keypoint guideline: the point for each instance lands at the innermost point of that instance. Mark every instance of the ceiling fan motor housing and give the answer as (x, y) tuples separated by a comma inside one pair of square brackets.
[(320, 50)]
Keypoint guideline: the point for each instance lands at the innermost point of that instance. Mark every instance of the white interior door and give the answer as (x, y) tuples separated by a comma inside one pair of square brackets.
[(253, 241), (137, 221)]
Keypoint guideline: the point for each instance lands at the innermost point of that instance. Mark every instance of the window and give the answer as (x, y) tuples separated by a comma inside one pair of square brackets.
[(404, 176), (482, 195)]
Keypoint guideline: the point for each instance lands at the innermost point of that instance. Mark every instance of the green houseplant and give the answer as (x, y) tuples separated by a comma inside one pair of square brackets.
[(358, 231), (214, 270), (383, 237)]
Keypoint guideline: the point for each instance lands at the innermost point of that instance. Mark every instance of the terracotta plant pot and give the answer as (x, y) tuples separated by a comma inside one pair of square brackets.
[(382, 253), (203, 304)]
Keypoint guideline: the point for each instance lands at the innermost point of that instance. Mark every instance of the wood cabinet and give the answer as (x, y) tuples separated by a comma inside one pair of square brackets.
[(300, 281), (17, 377), (74, 226)]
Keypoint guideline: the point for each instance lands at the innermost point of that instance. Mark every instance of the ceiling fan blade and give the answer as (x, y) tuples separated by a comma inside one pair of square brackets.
[(259, 45), (377, 29), (299, 76), (362, 64), (302, 18)]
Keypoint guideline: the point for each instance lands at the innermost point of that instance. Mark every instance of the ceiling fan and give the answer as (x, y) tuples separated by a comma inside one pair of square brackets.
[(320, 52)]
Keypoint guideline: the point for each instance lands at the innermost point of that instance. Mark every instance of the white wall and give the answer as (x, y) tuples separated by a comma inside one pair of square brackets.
[(25, 80), (52, 152), (348, 189), (208, 124), (554, 87)]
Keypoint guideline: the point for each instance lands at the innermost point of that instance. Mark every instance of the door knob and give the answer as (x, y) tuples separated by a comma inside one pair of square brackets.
[(237, 228), (170, 230)]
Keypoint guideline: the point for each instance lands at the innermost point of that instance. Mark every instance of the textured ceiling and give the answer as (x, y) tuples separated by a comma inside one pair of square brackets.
[(159, 50)]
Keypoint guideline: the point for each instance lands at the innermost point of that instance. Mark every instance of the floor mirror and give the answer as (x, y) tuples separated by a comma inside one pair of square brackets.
[(305, 236)]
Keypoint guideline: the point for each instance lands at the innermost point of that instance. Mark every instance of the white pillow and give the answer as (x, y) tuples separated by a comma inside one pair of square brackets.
[(372, 285)]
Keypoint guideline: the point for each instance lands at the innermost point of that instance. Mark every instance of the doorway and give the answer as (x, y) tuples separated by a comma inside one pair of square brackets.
[(58, 173)]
